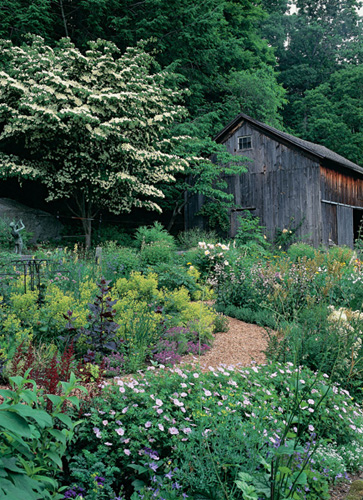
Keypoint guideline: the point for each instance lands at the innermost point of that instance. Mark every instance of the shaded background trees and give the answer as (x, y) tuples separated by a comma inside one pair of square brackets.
[(298, 69)]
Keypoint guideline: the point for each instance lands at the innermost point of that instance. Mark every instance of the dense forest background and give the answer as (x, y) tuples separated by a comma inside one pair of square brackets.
[(296, 66)]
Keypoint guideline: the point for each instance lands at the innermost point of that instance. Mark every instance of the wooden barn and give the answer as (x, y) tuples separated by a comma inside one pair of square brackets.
[(291, 178)]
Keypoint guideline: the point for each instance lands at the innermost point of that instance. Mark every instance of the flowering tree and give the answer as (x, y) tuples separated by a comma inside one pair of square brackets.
[(93, 127)]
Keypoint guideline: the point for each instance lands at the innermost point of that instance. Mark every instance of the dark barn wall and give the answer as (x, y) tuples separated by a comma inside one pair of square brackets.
[(281, 183), (341, 187), (342, 204)]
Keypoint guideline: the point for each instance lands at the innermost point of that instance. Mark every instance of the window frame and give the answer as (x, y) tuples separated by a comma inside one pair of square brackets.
[(241, 137)]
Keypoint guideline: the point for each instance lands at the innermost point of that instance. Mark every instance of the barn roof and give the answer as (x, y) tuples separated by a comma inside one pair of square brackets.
[(317, 150)]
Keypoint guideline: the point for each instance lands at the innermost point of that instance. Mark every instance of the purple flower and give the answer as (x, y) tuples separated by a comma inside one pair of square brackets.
[(154, 466)]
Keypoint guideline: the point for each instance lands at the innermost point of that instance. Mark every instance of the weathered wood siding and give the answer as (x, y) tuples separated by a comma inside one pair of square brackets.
[(341, 193), (341, 187), (284, 181), (281, 183)]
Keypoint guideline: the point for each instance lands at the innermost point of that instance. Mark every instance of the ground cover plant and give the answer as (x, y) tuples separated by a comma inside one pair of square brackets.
[(288, 429), (178, 433)]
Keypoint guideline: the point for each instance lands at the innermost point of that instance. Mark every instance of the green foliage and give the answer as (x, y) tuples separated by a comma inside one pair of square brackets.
[(286, 236), (109, 233), (5, 234), (256, 92), (221, 323), (297, 251), (156, 253), (217, 214), (172, 425), (119, 261), (82, 136), (323, 37), (190, 238), (172, 276), (32, 447), (330, 114), (154, 234), (157, 245), (250, 234)]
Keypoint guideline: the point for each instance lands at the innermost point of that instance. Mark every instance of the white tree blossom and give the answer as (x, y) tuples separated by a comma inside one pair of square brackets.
[(93, 127)]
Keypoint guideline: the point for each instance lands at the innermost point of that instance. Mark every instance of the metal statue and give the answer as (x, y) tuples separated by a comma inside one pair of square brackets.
[(15, 233)]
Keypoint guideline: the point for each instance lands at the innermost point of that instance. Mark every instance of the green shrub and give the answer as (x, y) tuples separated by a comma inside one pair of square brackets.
[(154, 234), (221, 324), (119, 261), (340, 254), (299, 250), (172, 276), (250, 234), (324, 339), (190, 238), (155, 253), (112, 233)]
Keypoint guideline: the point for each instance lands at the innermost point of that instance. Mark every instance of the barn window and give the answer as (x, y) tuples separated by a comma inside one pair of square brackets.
[(245, 142)]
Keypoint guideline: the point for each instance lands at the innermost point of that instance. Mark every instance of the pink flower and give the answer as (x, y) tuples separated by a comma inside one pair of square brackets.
[(196, 375), (108, 444), (148, 425), (120, 431), (173, 430), (127, 452), (161, 427), (187, 430), (158, 402), (97, 432), (105, 422)]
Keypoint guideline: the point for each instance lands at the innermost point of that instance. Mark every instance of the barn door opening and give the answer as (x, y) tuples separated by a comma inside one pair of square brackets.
[(358, 223), (345, 225)]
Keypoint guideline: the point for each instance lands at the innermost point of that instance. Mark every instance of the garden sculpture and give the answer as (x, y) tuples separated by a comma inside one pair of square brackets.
[(15, 233)]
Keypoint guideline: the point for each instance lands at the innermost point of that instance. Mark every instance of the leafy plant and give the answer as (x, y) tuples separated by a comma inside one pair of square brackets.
[(250, 234), (221, 323), (190, 238), (155, 253), (154, 234), (34, 440), (286, 236), (100, 333)]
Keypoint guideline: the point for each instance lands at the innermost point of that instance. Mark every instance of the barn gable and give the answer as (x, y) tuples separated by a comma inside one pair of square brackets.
[(289, 177)]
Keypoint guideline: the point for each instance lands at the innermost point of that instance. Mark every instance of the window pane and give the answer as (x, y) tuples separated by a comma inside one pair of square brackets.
[(245, 142)]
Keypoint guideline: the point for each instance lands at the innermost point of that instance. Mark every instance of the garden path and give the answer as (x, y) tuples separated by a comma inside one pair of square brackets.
[(242, 344)]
